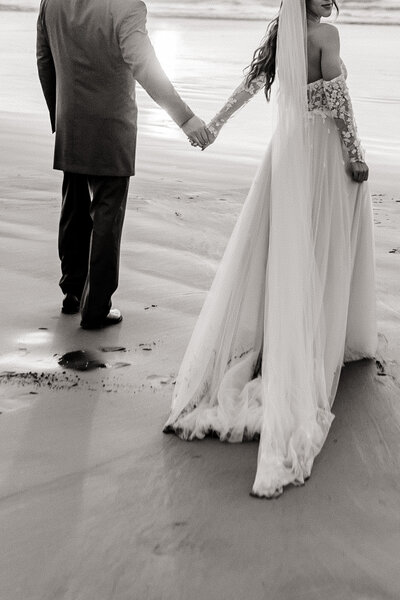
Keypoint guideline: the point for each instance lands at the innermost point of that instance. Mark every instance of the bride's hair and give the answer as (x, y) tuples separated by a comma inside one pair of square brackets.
[(264, 57)]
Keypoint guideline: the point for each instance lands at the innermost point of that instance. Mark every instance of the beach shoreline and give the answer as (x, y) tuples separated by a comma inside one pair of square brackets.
[(381, 13)]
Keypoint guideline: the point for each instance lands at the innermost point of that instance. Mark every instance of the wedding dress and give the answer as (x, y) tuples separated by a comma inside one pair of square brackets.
[(284, 313)]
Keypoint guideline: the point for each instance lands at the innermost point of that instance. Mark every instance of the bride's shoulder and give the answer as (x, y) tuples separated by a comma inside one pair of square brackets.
[(327, 32), (325, 36)]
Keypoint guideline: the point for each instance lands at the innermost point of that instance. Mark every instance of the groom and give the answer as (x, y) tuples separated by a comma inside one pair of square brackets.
[(90, 55)]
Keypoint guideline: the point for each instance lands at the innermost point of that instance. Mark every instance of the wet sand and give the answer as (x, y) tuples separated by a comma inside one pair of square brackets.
[(95, 502)]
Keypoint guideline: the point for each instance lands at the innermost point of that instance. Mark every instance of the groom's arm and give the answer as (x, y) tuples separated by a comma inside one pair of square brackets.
[(139, 54), (46, 70)]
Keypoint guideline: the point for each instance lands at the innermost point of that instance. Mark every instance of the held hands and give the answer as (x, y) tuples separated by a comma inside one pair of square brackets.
[(359, 171), (198, 133), (212, 136)]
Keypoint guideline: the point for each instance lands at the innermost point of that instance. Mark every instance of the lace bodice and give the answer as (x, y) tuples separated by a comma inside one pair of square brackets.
[(331, 98)]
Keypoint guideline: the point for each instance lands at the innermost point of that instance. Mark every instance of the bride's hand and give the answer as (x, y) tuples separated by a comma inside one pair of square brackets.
[(212, 136), (359, 171)]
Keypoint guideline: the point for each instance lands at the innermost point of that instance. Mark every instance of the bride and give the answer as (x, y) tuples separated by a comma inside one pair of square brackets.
[(293, 298)]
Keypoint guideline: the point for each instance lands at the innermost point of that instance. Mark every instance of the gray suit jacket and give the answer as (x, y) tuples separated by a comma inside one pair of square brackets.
[(90, 53)]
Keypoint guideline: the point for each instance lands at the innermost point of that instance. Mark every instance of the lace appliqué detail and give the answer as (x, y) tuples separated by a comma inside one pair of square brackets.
[(239, 98), (316, 98), (339, 103)]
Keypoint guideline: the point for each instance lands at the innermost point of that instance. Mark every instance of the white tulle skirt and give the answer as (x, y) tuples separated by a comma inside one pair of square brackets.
[(226, 386)]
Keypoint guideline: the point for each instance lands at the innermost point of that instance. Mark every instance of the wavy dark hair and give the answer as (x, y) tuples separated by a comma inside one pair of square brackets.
[(264, 58)]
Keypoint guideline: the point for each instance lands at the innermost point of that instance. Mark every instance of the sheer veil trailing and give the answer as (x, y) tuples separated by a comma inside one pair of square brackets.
[(266, 301), (295, 398)]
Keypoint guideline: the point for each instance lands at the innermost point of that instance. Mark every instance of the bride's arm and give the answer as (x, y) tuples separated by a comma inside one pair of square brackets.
[(339, 101), (239, 98)]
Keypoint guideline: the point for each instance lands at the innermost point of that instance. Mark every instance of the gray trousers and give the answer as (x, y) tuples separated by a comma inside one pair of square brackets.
[(92, 216)]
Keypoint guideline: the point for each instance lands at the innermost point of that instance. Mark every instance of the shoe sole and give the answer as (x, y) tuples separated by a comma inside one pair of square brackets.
[(69, 311), (102, 325)]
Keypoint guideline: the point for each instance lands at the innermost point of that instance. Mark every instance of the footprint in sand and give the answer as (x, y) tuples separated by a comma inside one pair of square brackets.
[(8, 405), (380, 368), (147, 347), (113, 349), (160, 379)]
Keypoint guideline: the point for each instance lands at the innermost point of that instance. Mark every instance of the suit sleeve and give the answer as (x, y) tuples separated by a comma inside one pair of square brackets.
[(138, 52), (46, 70)]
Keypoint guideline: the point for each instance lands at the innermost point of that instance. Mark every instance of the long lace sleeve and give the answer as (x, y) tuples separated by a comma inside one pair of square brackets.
[(239, 98), (339, 103)]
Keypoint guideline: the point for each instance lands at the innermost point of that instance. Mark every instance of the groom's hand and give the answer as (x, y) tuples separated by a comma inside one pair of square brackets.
[(197, 131)]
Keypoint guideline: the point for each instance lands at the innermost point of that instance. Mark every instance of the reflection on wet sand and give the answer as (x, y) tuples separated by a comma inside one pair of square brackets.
[(81, 360)]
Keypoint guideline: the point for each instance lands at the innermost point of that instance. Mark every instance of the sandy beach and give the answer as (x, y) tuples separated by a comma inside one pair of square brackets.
[(95, 502)]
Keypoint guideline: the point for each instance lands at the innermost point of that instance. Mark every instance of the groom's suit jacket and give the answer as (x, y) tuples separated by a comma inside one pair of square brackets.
[(90, 53)]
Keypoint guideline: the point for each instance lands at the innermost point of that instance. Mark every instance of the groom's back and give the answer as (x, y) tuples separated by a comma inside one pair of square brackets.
[(95, 88), (83, 36), (84, 32)]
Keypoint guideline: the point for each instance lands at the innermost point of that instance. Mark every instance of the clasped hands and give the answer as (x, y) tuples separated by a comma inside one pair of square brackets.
[(198, 133)]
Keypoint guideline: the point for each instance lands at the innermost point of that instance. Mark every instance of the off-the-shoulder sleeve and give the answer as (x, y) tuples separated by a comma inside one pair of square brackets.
[(239, 98), (339, 103)]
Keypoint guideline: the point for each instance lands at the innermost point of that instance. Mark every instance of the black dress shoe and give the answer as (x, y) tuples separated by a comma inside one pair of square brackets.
[(70, 305), (113, 318)]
